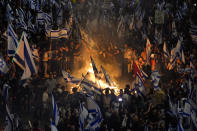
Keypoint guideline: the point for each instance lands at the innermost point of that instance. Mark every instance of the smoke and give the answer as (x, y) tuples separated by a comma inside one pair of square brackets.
[(99, 38)]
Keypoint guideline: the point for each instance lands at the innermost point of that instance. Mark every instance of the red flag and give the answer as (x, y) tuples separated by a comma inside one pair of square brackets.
[(137, 71)]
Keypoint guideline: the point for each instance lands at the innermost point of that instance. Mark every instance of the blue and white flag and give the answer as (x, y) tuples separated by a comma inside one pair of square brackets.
[(172, 107), (179, 15), (9, 118), (193, 71), (59, 14), (70, 79), (139, 86), (166, 53), (44, 19), (35, 53), (29, 16), (146, 126), (94, 69), (53, 127), (60, 33), (107, 77), (9, 13), (170, 127), (189, 88), (94, 110), (34, 5), (90, 86), (187, 109), (24, 59), (56, 115), (20, 13), (31, 27), (83, 116), (177, 52), (3, 66), (194, 117), (5, 92), (193, 32), (155, 76), (179, 126), (12, 41)]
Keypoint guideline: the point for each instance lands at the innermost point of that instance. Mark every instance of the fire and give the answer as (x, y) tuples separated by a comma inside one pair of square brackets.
[(100, 83)]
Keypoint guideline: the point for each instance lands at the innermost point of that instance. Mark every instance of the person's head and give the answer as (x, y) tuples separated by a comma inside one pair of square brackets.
[(35, 125), (126, 90), (106, 91), (66, 49), (112, 91), (121, 91), (74, 90), (125, 46), (46, 89)]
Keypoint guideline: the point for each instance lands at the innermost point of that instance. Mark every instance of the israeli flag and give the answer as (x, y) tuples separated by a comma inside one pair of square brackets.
[(60, 33), (31, 27), (43, 18), (29, 16), (21, 24), (90, 86), (60, 14), (70, 79), (179, 126), (172, 107), (24, 59), (193, 72), (178, 50), (35, 53), (94, 110), (166, 53), (83, 116), (56, 115), (139, 86), (3, 66), (155, 76), (193, 32), (146, 126), (10, 13), (53, 127), (9, 118), (107, 77), (33, 4), (189, 88), (187, 109), (194, 117), (94, 68), (5, 92), (170, 128), (20, 13), (12, 41)]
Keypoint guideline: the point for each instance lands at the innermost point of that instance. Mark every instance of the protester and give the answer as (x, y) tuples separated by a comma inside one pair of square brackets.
[(39, 39)]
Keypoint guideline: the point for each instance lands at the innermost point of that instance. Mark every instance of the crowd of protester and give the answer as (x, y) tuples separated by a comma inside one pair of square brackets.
[(31, 102)]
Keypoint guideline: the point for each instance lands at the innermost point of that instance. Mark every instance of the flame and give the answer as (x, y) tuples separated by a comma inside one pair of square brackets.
[(101, 83)]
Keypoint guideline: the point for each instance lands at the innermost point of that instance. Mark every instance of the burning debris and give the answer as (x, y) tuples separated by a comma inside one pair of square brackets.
[(94, 80)]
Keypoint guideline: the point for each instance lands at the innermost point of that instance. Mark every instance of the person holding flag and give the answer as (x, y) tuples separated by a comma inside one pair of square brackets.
[(24, 59), (56, 115)]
